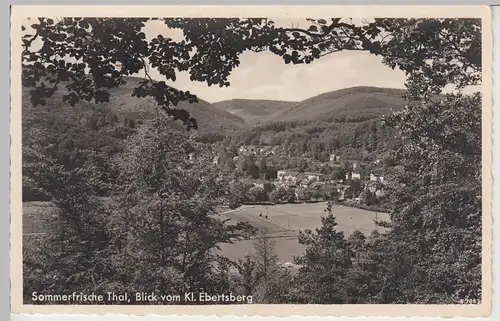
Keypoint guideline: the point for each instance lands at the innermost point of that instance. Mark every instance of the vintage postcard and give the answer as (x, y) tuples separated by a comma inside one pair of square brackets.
[(251, 160)]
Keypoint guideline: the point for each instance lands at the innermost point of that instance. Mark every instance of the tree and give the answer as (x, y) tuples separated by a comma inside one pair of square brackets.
[(303, 194), (278, 195), (436, 198), (253, 170), (242, 165), (368, 198), (274, 282), (247, 269), (302, 165), (262, 165), (257, 194), (290, 195), (74, 252), (356, 243), (164, 214), (331, 194), (265, 254), (237, 195), (356, 187), (324, 264), (315, 194), (339, 173)]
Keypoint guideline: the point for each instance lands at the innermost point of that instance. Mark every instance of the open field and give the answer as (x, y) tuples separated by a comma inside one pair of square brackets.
[(35, 216), (283, 223), (294, 217)]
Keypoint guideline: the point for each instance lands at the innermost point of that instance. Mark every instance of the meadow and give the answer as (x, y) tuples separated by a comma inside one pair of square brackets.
[(283, 223)]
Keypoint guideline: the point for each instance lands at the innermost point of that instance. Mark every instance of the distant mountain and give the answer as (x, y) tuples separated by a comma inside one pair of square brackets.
[(369, 102), (253, 111), (209, 117)]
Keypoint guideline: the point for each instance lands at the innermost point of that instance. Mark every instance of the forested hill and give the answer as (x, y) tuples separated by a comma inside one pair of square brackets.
[(347, 121), (123, 105), (253, 111), (365, 102)]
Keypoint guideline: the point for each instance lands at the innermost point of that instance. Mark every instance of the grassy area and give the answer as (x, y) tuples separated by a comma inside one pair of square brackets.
[(284, 221), (35, 215), (297, 217)]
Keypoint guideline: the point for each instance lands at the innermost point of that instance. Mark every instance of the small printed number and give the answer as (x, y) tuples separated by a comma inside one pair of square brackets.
[(470, 301)]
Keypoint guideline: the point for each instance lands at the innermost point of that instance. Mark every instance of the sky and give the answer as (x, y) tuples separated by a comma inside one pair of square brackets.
[(265, 76)]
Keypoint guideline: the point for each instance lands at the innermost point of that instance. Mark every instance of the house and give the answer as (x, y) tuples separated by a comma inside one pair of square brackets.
[(304, 183), (353, 175), (317, 176), (266, 185), (247, 184), (316, 185), (334, 158), (376, 178), (284, 175), (342, 189), (247, 150), (257, 150), (259, 183)]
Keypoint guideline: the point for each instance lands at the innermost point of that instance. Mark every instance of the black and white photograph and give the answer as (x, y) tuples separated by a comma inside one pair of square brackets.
[(253, 158)]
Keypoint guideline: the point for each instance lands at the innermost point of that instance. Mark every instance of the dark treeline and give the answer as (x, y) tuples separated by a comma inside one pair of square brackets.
[(360, 140)]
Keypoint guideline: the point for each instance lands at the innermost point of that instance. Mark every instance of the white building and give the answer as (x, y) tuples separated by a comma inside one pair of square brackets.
[(287, 175), (281, 174), (316, 176), (353, 175), (376, 178), (334, 158)]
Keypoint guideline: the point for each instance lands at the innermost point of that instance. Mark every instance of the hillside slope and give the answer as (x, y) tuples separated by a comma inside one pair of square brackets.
[(209, 117), (366, 102), (252, 111)]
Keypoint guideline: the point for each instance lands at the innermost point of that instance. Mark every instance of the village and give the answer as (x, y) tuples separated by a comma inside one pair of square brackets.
[(351, 183)]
